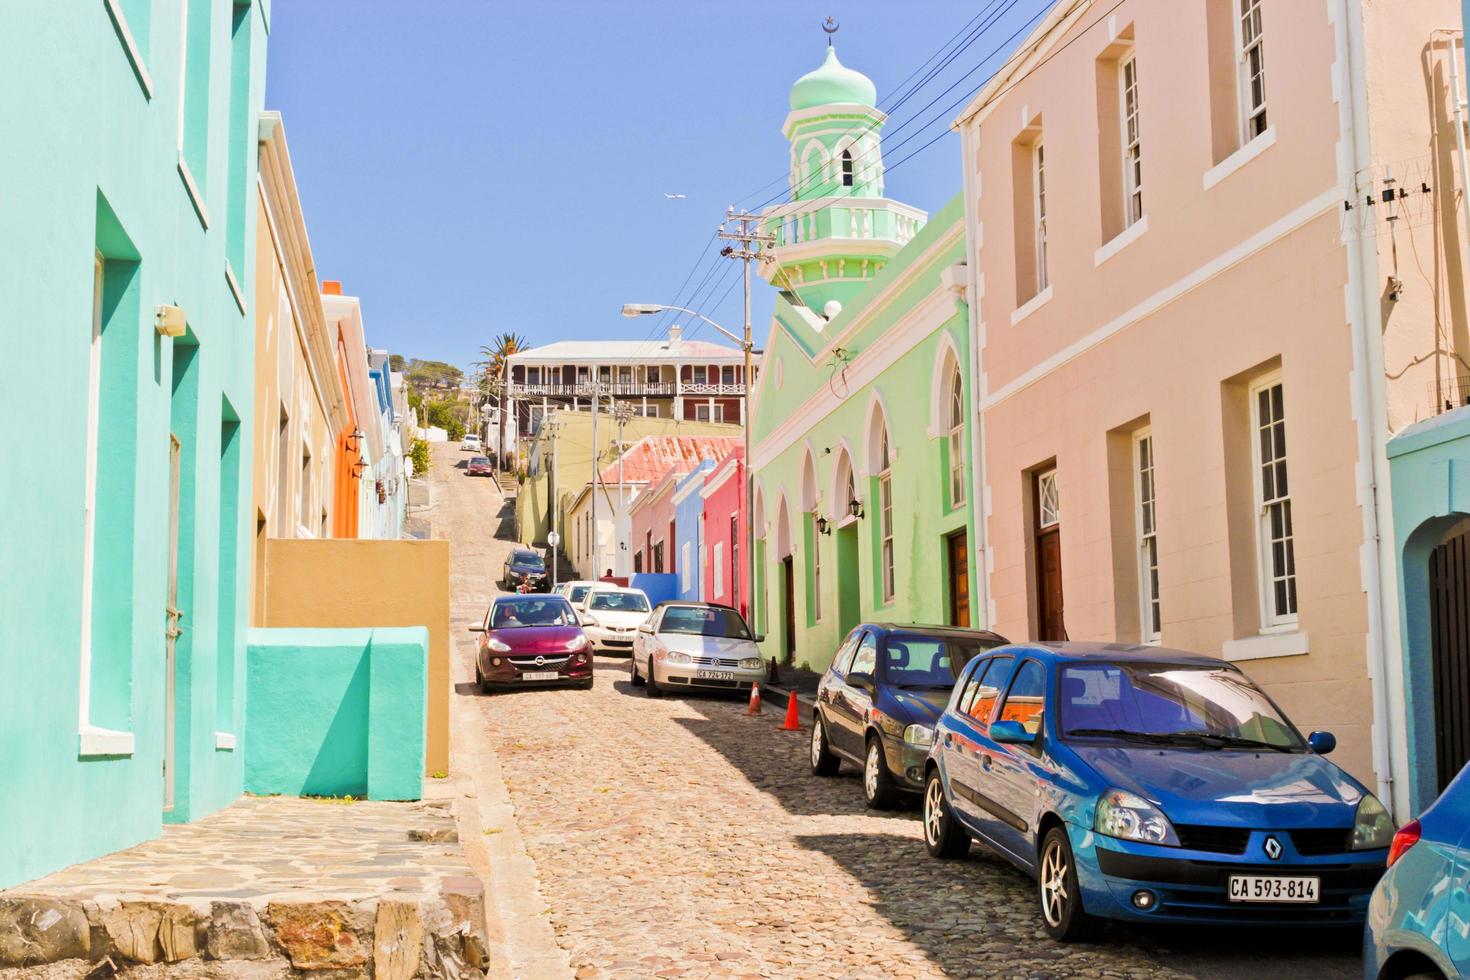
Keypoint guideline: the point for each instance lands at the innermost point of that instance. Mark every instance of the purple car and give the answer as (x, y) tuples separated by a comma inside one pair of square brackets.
[(531, 640)]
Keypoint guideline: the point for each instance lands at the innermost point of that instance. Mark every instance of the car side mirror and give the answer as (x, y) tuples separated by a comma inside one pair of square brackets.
[(758, 638), (477, 629), (1322, 742), (1011, 733), (862, 680), (646, 628)]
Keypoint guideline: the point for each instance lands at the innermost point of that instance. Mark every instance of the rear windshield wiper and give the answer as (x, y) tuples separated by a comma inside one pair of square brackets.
[(1235, 741)]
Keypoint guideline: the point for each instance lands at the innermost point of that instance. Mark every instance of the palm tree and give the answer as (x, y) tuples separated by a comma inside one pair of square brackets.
[(494, 375)]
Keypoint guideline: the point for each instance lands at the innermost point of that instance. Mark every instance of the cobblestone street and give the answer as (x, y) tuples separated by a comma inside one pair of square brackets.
[(679, 837)]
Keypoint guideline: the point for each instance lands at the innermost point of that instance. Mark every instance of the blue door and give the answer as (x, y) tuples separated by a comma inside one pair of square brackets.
[(1010, 775), (973, 747)]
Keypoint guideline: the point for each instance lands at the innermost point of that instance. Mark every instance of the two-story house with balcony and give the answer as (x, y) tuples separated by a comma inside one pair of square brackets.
[(1182, 221), (674, 378)]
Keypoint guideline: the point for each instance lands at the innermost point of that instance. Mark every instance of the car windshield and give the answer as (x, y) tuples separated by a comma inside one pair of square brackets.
[(479, 461), (529, 559), (704, 621), (915, 661), (577, 592), (542, 611), (618, 602), (1162, 704)]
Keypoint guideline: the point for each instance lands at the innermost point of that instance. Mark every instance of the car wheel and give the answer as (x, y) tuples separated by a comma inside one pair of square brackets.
[(637, 677), (480, 681), (587, 684), (824, 763), (943, 835), (652, 689), (878, 789), (1060, 896)]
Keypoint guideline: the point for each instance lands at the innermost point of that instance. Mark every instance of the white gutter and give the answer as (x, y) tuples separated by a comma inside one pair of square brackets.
[(975, 418), (1385, 663)]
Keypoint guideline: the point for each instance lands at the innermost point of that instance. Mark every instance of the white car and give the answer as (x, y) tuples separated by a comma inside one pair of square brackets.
[(696, 645), (576, 592), (611, 617), (470, 444)]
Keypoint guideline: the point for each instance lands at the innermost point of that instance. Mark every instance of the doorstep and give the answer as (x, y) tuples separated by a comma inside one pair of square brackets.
[(295, 884)]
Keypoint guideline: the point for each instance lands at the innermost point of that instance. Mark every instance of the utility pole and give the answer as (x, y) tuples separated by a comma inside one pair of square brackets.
[(595, 384), (751, 242), (555, 491), (622, 412)]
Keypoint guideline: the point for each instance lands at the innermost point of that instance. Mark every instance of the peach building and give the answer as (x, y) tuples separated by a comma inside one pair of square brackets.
[(1181, 265)]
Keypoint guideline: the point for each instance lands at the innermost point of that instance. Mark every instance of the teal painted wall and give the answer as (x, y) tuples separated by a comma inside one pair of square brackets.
[(337, 712), (849, 588), (1429, 468), (91, 117)]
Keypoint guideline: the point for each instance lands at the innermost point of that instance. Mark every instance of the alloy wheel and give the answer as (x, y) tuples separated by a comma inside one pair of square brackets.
[(817, 743), (934, 812), (870, 770), (1054, 896)]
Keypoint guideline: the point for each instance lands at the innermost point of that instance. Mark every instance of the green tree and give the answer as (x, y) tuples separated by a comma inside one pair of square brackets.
[(448, 414), (494, 377), (419, 453), (396, 362), (433, 374)]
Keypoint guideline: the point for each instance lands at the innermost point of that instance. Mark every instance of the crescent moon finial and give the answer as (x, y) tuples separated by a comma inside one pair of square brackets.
[(831, 26)]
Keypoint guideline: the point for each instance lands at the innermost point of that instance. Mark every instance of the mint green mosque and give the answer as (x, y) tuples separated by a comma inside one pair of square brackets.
[(127, 231), (862, 429)]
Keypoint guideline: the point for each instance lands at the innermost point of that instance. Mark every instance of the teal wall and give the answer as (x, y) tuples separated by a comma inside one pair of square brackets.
[(337, 712), (1429, 468), (92, 165)]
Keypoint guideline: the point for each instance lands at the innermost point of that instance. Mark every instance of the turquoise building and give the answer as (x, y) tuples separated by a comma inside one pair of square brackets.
[(127, 227)]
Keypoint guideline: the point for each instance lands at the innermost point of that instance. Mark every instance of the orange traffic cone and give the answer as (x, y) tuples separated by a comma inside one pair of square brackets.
[(755, 700), (793, 715)]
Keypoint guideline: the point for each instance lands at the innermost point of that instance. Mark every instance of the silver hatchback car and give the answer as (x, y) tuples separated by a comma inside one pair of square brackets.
[(695, 645)]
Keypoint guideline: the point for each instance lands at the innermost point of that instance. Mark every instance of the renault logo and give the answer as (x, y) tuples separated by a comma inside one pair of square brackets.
[(541, 662), (1273, 848)]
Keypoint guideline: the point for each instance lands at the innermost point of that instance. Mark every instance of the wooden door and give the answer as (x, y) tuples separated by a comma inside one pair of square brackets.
[(172, 621), (958, 546), (788, 599), (1449, 623), (1049, 621)]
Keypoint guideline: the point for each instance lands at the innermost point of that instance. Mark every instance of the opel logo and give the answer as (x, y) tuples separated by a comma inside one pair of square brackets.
[(541, 662), (1273, 848)]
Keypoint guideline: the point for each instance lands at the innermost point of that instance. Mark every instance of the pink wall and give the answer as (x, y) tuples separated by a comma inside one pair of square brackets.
[(654, 513), (724, 498)]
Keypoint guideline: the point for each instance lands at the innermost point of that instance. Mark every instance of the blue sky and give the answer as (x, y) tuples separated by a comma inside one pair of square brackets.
[(474, 166)]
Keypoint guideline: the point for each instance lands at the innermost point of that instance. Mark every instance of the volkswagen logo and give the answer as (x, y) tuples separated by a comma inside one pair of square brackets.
[(1273, 848), (541, 662)]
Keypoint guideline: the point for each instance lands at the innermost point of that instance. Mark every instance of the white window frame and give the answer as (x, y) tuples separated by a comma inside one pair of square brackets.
[(1244, 48), (1146, 511), (89, 493), (816, 569), (1132, 145), (1038, 204), (719, 570), (684, 581), (1273, 618), (885, 514), (956, 406), (1043, 480)]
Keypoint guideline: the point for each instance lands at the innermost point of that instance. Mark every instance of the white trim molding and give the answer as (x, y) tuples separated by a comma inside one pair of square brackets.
[(1241, 157), (234, 287), (93, 741), (224, 742), (195, 198), (130, 46), (1120, 241), (1267, 646), (1031, 306)]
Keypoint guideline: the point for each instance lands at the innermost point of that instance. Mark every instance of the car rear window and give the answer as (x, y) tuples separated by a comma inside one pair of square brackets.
[(916, 660)]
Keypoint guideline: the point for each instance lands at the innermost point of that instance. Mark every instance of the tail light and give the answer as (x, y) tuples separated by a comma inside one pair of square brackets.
[(1407, 837)]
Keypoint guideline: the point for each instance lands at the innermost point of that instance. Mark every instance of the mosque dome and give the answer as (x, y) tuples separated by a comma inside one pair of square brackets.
[(833, 83)]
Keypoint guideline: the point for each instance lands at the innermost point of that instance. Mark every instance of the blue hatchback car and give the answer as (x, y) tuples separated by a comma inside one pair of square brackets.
[(1419, 918), (1150, 785)]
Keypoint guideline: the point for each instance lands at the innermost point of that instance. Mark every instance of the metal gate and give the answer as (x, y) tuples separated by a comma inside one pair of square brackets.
[(1449, 613)]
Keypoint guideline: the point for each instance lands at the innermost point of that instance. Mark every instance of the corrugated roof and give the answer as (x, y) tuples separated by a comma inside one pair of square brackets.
[(648, 459), (626, 350)]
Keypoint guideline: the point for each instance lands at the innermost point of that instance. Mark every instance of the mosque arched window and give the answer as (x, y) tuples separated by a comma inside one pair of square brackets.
[(847, 168)]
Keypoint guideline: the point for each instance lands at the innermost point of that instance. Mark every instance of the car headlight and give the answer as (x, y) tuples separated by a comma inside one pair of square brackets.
[(498, 646), (1123, 815), (752, 663), (919, 735), (675, 657), (577, 642), (1372, 827)]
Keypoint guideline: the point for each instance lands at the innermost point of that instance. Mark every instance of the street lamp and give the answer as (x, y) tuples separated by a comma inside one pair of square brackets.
[(632, 310)]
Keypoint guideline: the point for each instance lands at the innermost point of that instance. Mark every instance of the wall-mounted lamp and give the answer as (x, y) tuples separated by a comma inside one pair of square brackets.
[(823, 525), (855, 506), (358, 467), (169, 321)]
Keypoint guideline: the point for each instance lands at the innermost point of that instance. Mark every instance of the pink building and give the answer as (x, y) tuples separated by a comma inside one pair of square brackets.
[(651, 526), (726, 575), (1190, 229)]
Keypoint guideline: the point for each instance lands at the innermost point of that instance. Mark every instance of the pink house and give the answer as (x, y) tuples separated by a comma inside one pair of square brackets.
[(726, 573), (651, 527)]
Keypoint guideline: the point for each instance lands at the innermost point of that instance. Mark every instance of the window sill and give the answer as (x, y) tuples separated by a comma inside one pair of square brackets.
[(94, 742), (235, 287), (1120, 241), (1266, 646), (195, 198), (1240, 157), (1031, 306), (130, 46), (224, 742)]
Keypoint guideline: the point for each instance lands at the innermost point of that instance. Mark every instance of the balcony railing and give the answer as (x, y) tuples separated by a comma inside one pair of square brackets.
[(1452, 393), (702, 388), (583, 389)]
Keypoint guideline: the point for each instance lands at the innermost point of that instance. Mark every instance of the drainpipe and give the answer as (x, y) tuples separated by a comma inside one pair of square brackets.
[(974, 416), (1451, 34), (1379, 561)]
